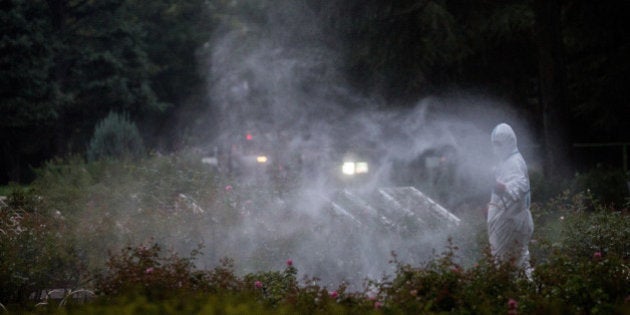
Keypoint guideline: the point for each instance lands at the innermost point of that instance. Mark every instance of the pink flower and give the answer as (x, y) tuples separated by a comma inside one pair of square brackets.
[(334, 294), (597, 255), (258, 284), (149, 270), (378, 305), (228, 188), (512, 304), (289, 262)]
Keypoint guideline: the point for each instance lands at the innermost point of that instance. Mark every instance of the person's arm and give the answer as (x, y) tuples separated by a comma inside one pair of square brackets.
[(514, 182)]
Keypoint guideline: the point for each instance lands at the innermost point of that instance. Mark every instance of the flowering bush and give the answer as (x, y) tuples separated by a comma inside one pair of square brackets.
[(106, 203), (142, 270), (33, 255), (75, 211)]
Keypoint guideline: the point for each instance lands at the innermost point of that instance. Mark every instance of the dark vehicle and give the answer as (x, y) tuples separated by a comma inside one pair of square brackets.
[(256, 158), (249, 153), (283, 163)]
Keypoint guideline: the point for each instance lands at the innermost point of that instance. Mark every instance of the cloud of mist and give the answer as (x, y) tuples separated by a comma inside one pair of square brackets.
[(278, 74)]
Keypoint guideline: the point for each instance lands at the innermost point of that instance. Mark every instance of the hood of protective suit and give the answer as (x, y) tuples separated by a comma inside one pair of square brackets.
[(503, 141)]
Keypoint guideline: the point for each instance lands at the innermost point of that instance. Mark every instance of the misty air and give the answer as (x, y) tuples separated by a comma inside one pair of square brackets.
[(314, 157)]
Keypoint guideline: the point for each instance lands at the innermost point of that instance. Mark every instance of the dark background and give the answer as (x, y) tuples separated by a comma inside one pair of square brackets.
[(64, 65)]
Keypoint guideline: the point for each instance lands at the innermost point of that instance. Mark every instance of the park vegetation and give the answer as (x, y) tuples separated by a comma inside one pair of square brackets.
[(56, 232), (66, 65), (101, 103)]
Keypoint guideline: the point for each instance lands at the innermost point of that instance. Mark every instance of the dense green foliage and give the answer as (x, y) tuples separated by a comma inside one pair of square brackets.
[(110, 203), (111, 227), (33, 254), (54, 234), (115, 137), (143, 280), (66, 64)]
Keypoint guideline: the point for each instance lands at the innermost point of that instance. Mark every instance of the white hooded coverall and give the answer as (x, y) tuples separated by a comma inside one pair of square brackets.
[(510, 223)]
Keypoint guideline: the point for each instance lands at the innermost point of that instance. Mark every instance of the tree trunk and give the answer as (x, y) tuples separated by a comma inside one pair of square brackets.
[(552, 87)]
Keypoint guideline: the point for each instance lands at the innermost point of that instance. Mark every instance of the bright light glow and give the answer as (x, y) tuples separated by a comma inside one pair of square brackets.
[(348, 168), (261, 159), (361, 168), (248, 136), (353, 168)]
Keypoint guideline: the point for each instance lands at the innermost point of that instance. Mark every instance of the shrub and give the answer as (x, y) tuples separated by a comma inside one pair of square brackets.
[(107, 203), (544, 188), (603, 231), (33, 253), (444, 286), (593, 284), (115, 137), (274, 286), (143, 271), (580, 251), (608, 185)]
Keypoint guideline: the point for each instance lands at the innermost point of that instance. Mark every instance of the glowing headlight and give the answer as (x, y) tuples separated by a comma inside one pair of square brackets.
[(361, 167), (261, 159), (352, 168), (348, 168)]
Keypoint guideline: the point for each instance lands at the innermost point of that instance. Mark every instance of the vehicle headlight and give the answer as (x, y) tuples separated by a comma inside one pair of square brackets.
[(348, 168), (261, 159), (361, 167), (352, 168)]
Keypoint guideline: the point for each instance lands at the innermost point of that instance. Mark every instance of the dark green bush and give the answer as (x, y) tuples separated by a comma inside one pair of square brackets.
[(579, 252), (151, 283), (145, 271), (115, 137), (608, 185), (593, 284), (443, 286), (604, 231), (275, 286), (33, 253), (544, 188), (107, 203)]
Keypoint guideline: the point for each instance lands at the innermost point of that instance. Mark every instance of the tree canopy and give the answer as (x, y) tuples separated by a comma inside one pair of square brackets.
[(65, 64)]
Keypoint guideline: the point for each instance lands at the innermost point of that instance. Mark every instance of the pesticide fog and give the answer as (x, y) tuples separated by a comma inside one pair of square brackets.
[(276, 77)]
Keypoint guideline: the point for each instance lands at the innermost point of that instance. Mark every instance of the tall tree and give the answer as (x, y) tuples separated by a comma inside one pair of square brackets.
[(597, 39), (174, 34), (498, 38), (552, 83), (67, 63), (28, 100), (399, 49), (100, 65)]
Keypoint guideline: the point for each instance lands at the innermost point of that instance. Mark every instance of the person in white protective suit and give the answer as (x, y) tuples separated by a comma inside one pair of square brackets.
[(510, 223)]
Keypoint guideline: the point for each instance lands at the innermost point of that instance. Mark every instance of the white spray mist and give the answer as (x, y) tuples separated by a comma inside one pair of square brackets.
[(278, 76)]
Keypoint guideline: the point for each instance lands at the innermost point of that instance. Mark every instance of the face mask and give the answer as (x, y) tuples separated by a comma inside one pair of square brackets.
[(498, 149)]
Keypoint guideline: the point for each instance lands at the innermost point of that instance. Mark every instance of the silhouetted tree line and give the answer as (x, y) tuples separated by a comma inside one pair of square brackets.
[(561, 62), (66, 64)]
